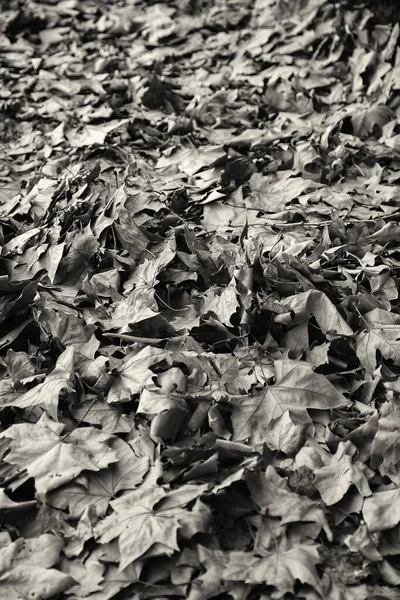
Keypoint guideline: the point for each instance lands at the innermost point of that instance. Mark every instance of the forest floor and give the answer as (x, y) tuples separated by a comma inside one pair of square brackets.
[(199, 310)]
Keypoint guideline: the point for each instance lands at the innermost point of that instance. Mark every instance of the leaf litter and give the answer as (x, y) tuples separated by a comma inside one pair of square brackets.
[(200, 334)]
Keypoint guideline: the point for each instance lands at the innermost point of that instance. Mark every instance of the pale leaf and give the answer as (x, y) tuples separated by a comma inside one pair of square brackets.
[(139, 524), (26, 569), (279, 568), (53, 460), (297, 387), (97, 489), (382, 332), (315, 303), (134, 374), (381, 511)]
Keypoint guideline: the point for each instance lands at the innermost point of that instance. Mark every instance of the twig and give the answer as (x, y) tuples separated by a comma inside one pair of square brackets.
[(143, 340)]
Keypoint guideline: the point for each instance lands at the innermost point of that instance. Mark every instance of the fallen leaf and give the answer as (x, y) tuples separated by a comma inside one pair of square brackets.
[(139, 525), (26, 568), (272, 493), (297, 387), (47, 393), (381, 332), (381, 511), (92, 134), (334, 479), (53, 460), (317, 304), (134, 374), (368, 120), (280, 567), (97, 489)]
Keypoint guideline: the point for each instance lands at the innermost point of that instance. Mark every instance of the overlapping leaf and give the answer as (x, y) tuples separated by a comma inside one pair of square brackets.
[(26, 568), (279, 568), (148, 521), (53, 459), (297, 387), (200, 282), (47, 394)]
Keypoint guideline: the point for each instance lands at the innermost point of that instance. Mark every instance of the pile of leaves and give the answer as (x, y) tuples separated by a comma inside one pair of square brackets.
[(200, 315)]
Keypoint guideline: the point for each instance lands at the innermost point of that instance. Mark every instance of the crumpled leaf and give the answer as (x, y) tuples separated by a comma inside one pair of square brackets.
[(385, 451), (308, 161), (26, 568), (71, 330), (361, 541), (317, 304), (169, 413), (210, 583), (202, 202), (140, 302), (47, 393)]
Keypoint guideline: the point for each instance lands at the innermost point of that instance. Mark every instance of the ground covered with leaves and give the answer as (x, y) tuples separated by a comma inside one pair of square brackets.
[(199, 311)]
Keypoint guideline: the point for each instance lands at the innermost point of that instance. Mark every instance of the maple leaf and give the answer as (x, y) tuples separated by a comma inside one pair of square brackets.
[(70, 330), (134, 374), (334, 479), (249, 204), (74, 265), (25, 568), (210, 583), (191, 160), (113, 582), (382, 333), (93, 134), (140, 302), (97, 489), (381, 511), (170, 413), (362, 541), (285, 435), (316, 303), (385, 451), (88, 576), (47, 393), (53, 460), (222, 303), (280, 567), (308, 161), (272, 493), (297, 387), (368, 120), (141, 520), (110, 417), (273, 192)]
